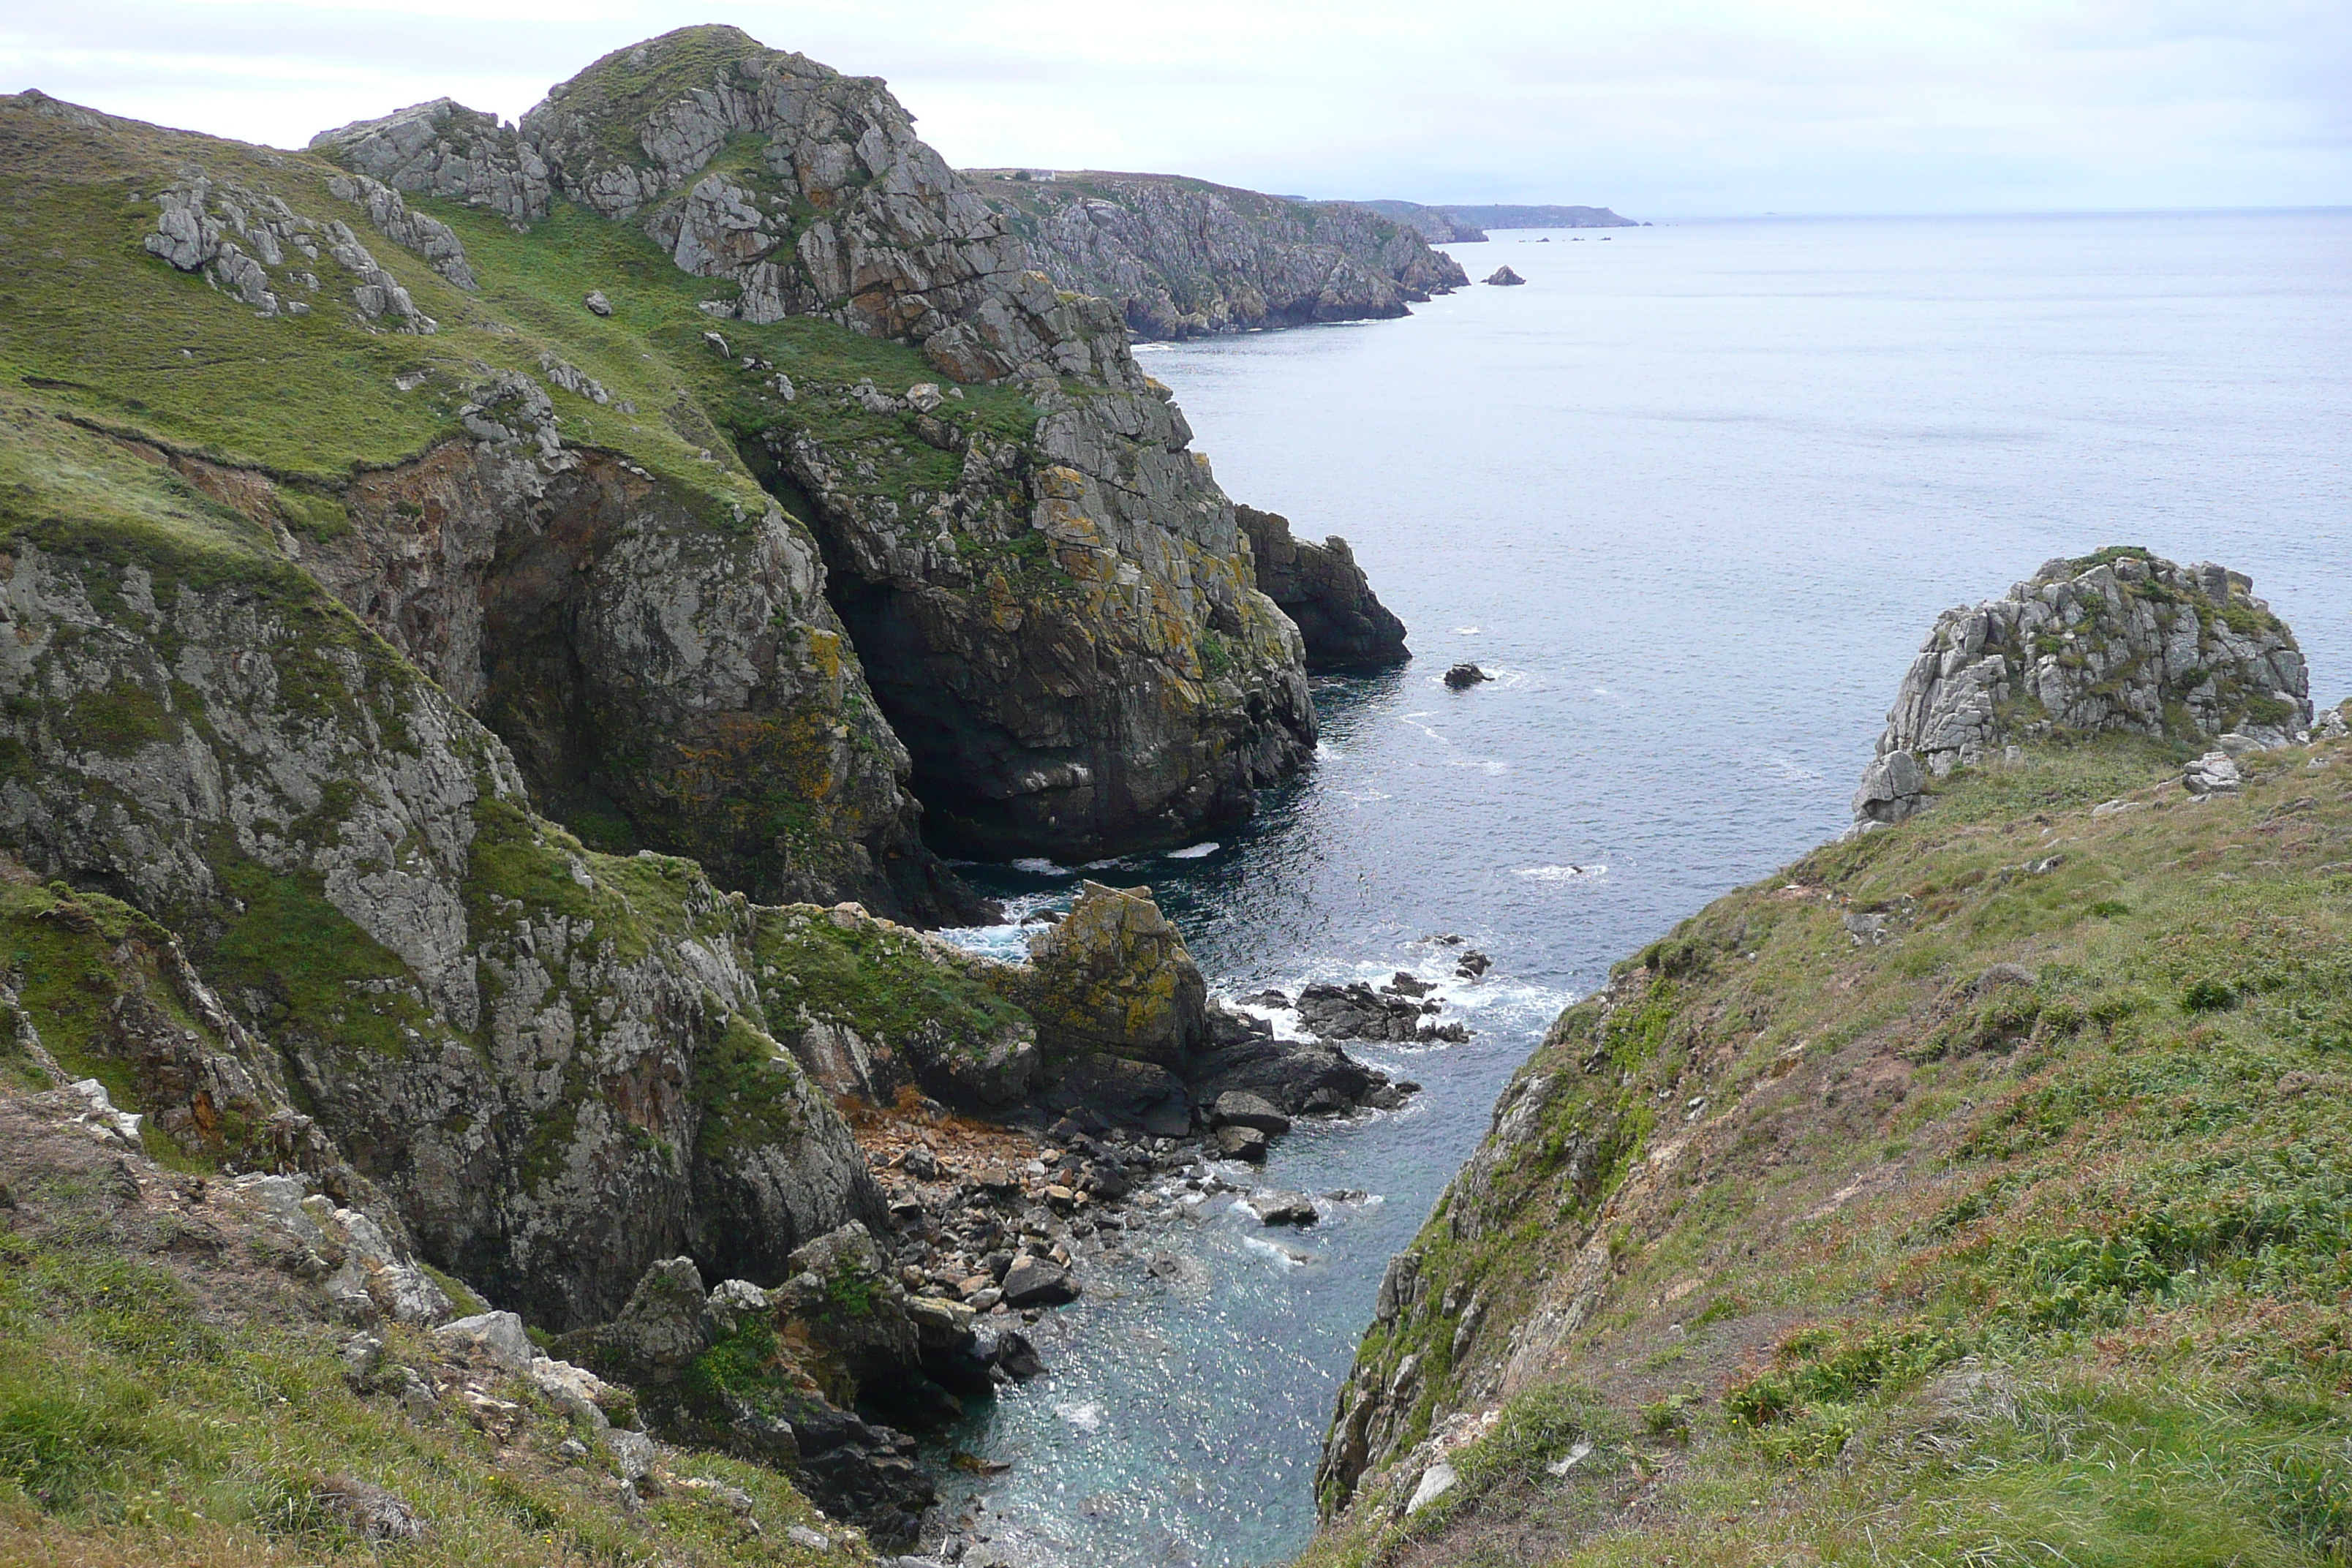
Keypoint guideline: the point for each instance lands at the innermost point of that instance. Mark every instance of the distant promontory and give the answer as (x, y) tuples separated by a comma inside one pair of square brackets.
[(1464, 225), (1183, 258)]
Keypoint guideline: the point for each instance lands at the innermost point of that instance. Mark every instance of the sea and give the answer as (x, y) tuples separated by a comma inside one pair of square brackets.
[(1691, 496)]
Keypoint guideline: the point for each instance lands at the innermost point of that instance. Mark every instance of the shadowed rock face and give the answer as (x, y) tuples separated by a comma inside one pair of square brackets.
[(654, 679), (1066, 635), (1322, 588), (547, 1060), (2117, 643)]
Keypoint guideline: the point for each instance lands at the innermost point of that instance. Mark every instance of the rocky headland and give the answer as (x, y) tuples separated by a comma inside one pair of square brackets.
[(494, 613), (1467, 225), (1851, 1214), (2121, 643), (1183, 259)]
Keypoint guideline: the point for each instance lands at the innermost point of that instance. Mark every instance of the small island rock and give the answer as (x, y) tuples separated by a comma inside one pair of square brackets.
[(1505, 278)]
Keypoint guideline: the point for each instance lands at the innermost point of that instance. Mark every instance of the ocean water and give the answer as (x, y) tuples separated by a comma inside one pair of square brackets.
[(1693, 496)]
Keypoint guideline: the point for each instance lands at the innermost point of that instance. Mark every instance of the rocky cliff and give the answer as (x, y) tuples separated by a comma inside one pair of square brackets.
[(1435, 225), (2119, 643), (1468, 223), (1326, 593), (1046, 590), (1182, 258), (1847, 1219)]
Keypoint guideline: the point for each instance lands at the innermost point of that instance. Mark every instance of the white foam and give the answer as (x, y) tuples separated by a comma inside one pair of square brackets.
[(1467, 631), (1037, 867), (1192, 851), (1560, 873), (1283, 1257), (1087, 1417)]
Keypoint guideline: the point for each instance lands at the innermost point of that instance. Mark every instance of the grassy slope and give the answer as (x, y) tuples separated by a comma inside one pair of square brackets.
[(1938, 1270), (92, 325), (162, 1401)]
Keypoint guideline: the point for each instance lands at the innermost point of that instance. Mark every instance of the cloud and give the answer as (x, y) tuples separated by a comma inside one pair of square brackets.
[(1678, 106)]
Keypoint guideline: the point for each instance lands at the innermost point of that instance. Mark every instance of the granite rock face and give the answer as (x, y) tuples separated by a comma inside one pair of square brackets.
[(549, 1060), (444, 149), (1326, 593), (1065, 634), (1183, 259), (638, 663), (2117, 643)]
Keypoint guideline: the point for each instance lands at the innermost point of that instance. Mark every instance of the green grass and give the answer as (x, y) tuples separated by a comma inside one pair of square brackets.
[(877, 979), (146, 1417), (2113, 1192)]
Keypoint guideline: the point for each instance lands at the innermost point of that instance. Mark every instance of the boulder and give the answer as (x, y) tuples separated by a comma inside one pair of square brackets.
[(662, 1327), (2215, 773), (1141, 1094), (1283, 1208), (1114, 977), (1465, 675), (1242, 1144), (1893, 788), (1239, 1108), (1038, 1282), (597, 304), (499, 1336)]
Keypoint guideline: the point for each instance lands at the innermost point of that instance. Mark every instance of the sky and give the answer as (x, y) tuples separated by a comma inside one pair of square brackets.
[(1674, 108)]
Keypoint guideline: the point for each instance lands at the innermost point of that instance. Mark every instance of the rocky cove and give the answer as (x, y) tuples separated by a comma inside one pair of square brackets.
[(506, 1057)]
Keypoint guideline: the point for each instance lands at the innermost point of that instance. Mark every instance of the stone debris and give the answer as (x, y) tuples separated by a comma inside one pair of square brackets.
[(2215, 773)]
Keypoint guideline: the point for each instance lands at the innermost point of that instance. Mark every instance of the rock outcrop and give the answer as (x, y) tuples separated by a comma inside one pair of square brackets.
[(1056, 615), (1504, 277), (1114, 976), (549, 1059), (2119, 642), (1326, 593), (1185, 259)]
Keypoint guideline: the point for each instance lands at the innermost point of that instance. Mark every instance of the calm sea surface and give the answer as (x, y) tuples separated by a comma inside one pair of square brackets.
[(1693, 495)]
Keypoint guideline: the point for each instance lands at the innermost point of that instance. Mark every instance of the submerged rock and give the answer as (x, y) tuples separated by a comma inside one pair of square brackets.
[(1465, 675)]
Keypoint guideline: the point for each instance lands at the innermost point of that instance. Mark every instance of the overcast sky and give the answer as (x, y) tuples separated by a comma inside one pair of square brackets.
[(1672, 108)]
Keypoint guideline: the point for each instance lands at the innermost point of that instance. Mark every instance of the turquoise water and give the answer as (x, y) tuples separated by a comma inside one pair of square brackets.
[(1693, 495)]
